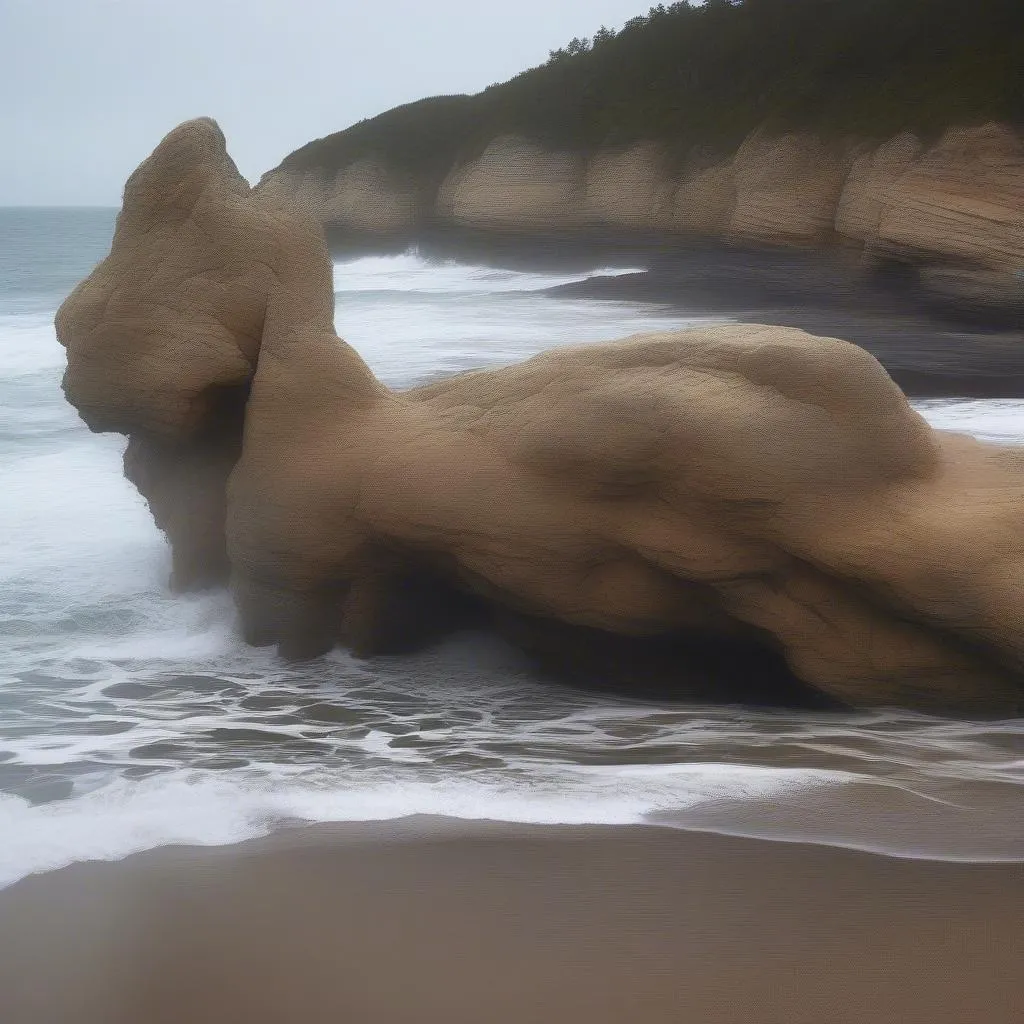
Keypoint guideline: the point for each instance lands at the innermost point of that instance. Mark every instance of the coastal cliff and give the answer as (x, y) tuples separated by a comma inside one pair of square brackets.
[(954, 209), (917, 162)]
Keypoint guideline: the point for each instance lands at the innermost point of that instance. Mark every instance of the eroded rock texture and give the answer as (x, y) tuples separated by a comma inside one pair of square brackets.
[(959, 210), (744, 512), (162, 338), (366, 198), (515, 186), (787, 188)]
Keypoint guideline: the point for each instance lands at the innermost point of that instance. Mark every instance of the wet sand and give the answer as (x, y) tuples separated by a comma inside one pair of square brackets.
[(429, 920)]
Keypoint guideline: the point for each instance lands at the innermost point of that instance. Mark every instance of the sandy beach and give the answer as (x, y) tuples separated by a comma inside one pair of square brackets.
[(429, 920), (503, 528)]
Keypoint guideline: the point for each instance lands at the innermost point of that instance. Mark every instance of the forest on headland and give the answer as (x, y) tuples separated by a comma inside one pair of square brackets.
[(701, 78)]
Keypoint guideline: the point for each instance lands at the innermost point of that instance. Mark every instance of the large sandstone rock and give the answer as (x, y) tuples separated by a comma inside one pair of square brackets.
[(170, 322), (732, 483), (787, 188), (515, 186), (753, 507), (162, 337)]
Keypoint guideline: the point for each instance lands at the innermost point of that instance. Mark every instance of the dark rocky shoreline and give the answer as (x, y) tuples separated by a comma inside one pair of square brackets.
[(930, 347)]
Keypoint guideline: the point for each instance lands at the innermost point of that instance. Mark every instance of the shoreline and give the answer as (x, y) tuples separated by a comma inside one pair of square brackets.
[(428, 920), (931, 349)]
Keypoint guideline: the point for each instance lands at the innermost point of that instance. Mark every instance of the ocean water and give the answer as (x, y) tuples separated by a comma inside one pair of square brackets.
[(131, 719)]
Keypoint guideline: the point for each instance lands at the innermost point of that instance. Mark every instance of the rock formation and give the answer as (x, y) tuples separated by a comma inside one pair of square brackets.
[(515, 186), (952, 210), (787, 188), (630, 189), (705, 200), (364, 198), (760, 508), (959, 211), (870, 187), (162, 338), (728, 483)]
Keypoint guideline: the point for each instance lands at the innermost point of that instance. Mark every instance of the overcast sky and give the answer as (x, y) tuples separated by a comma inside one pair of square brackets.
[(88, 87)]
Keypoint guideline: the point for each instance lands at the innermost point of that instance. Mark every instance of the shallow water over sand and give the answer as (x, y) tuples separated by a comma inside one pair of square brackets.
[(131, 719)]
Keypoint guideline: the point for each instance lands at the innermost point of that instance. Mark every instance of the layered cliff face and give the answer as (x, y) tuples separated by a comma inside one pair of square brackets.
[(515, 186), (787, 189), (704, 202), (162, 338), (953, 209), (365, 198), (306, 191), (631, 189), (959, 209), (963, 199), (760, 508), (870, 186)]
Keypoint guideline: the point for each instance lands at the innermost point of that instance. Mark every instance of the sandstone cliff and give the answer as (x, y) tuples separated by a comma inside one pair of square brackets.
[(630, 189), (959, 209), (514, 186), (737, 489), (364, 198), (870, 186), (705, 200), (954, 209), (787, 188)]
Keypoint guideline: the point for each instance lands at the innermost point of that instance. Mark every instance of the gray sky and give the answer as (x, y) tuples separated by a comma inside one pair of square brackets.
[(88, 87)]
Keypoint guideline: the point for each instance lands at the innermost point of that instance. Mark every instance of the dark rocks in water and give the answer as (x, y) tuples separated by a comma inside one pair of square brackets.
[(930, 348), (745, 511)]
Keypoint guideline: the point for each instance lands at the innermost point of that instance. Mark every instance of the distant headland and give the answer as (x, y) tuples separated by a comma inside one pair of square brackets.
[(889, 133)]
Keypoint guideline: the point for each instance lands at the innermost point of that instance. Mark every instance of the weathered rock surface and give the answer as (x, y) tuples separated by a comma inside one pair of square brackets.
[(366, 197), (787, 188), (870, 187), (726, 482), (303, 191), (515, 186), (963, 200), (162, 338), (744, 502), (630, 189), (954, 210), (705, 200), (961, 205)]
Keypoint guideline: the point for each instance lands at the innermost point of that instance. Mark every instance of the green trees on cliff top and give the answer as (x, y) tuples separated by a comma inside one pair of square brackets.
[(705, 76)]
